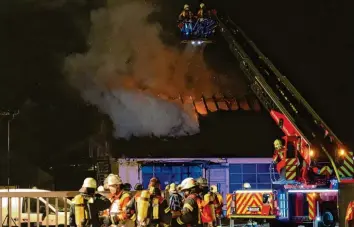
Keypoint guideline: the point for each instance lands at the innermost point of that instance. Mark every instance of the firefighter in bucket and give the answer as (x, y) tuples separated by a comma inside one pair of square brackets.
[(279, 157)]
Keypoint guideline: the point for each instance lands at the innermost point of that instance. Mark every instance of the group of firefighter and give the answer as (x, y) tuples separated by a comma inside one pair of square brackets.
[(192, 203), (187, 13)]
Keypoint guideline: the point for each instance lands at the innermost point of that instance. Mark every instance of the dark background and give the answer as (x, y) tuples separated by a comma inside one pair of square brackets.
[(311, 42)]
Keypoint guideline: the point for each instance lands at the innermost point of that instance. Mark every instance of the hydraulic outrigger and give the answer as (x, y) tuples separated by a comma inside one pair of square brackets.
[(289, 109)]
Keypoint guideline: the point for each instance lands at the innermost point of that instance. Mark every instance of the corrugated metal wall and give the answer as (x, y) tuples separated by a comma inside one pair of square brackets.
[(258, 175)]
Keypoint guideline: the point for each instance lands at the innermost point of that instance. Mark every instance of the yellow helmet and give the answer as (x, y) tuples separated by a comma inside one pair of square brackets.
[(186, 7), (191, 183), (278, 144), (89, 183), (202, 5), (113, 179), (179, 188), (172, 187)]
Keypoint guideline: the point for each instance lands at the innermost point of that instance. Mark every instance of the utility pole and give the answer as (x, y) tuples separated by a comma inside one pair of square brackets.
[(10, 117)]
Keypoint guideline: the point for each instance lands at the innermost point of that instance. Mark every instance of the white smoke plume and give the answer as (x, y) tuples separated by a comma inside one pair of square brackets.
[(128, 67)]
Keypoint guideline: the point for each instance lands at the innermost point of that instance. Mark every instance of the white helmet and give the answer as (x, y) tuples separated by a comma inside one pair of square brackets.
[(100, 189), (186, 7), (185, 181), (89, 183), (113, 179), (191, 183), (214, 188), (246, 185)]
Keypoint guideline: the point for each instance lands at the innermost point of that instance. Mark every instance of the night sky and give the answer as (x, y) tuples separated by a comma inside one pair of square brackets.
[(311, 42)]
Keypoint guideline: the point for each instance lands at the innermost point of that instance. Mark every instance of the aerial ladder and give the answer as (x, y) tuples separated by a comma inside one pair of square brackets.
[(315, 143)]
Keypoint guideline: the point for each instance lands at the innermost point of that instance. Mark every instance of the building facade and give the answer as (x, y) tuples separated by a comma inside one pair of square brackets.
[(228, 174)]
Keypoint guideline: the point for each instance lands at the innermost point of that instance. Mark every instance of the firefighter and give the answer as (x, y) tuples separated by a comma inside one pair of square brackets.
[(154, 183), (150, 209), (175, 203), (120, 199), (279, 158), (138, 187), (208, 214), (185, 14), (191, 207), (132, 205), (202, 12), (167, 193), (127, 189), (161, 212), (86, 206), (219, 205)]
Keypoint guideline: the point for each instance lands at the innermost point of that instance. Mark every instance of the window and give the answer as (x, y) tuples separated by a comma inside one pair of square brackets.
[(249, 168), (257, 175), (250, 178), (236, 179), (264, 186), (263, 178), (262, 168), (147, 169), (166, 169), (176, 169), (235, 168)]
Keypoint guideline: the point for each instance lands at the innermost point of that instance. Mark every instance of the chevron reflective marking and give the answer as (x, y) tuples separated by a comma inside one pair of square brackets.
[(326, 170), (228, 204), (249, 203), (347, 169), (290, 168), (290, 161), (290, 175), (311, 199)]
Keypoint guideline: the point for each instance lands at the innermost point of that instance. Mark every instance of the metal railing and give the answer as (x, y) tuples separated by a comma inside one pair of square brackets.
[(35, 208)]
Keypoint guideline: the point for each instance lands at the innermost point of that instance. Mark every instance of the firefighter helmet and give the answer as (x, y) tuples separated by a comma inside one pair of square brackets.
[(202, 5), (278, 144), (89, 183), (100, 189), (191, 183), (179, 188), (185, 181), (127, 187), (246, 185), (167, 188), (214, 188), (138, 187), (186, 7), (113, 179), (154, 182), (203, 182), (172, 188)]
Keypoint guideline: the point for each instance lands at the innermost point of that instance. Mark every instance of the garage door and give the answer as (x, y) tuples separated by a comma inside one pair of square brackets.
[(169, 173)]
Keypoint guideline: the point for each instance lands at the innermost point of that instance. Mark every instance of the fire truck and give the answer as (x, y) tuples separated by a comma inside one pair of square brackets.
[(315, 169)]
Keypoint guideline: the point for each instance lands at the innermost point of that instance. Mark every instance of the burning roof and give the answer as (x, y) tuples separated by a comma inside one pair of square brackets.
[(230, 127)]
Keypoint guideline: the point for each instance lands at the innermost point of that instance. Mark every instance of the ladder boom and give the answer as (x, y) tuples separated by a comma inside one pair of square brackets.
[(282, 99)]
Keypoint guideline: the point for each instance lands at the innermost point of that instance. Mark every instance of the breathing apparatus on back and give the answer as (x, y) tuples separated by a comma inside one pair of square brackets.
[(143, 204)]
